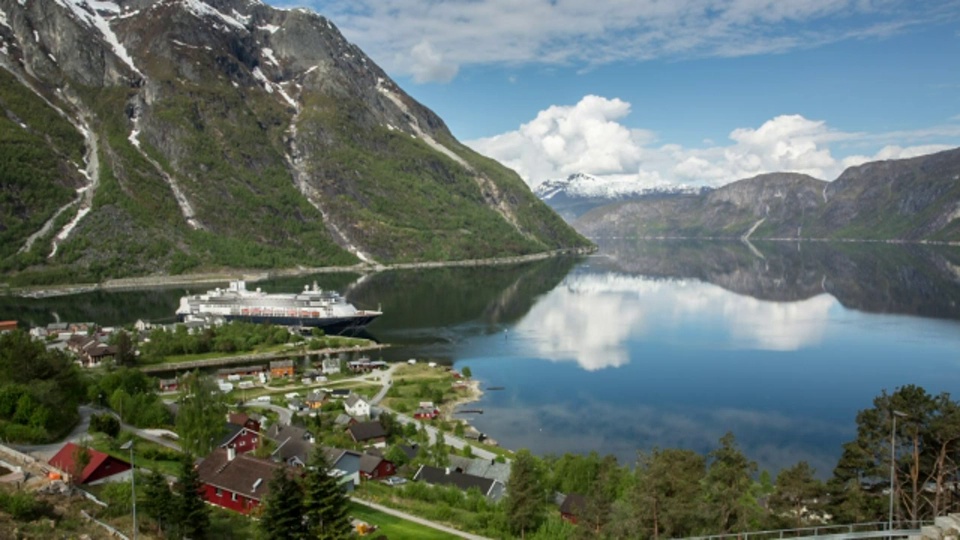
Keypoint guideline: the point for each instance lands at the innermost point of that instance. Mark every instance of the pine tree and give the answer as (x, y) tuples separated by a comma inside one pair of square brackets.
[(526, 496), (324, 504), (191, 512), (156, 501), (282, 517)]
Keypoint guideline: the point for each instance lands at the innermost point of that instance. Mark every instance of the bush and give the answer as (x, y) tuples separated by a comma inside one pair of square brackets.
[(24, 507), (106, 424)]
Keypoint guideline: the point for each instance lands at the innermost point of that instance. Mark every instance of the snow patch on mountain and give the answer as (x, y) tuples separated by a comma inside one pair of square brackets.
[(91, 15), (585, 186), (201, 10)]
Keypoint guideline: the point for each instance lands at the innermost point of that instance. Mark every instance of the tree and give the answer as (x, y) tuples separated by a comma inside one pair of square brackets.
[(200, 415), (156, 501), (467, 372), (324, 504), (666, 492), (192, 515), (282, 517), (81, 458), (106, 424), (727, 486), (526, 496), (599, 499), (125, 350), (796, 493)]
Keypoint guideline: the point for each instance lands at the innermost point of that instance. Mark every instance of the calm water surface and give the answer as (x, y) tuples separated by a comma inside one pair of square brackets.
[(657, 344)]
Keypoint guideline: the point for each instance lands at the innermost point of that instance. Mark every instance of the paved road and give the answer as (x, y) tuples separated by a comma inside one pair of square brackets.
[(449, 439), (421, 521), (44, 452), (286, 415)]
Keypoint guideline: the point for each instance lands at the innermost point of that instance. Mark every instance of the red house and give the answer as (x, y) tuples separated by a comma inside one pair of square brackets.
[(239, 438), (100, 466), (427, 413), (236, 481), (573, 505), (245, 420), (372, 466)]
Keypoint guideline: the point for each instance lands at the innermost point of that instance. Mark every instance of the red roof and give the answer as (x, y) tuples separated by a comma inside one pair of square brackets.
[(64, 460)]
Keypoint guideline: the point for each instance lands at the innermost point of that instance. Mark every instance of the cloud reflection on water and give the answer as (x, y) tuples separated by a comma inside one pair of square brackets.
[(591, 318)]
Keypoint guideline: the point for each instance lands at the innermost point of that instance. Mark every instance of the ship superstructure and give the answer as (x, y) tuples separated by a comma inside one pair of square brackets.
[(313, 307)]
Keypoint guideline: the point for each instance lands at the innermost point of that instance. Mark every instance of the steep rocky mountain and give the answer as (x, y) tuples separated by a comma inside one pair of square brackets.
[(908, 199), (579, 193), (168, 136)]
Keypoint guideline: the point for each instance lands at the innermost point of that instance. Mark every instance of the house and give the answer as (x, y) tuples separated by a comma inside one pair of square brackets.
[(100, 466), (169, 385), (484, 468), (234, 373), (375, 467), (345, 465), (90, 351), (435, 476), (294, 444), (7, 326), (572, 506), (340, 393), (368, 433), (296, 404), (238, 482), (251, 422), (357, 406), (238, 437), (316, 399), (281, 368), (426, 413), (330, 366)]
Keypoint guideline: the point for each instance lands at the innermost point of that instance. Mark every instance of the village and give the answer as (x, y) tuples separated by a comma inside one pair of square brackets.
[(375, 423)]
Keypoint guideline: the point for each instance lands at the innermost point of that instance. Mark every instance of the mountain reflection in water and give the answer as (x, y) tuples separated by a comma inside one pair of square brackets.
[(667, 343)]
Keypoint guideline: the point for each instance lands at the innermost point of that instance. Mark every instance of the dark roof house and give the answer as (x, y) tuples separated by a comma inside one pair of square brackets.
[(436, 476), (368, 433)]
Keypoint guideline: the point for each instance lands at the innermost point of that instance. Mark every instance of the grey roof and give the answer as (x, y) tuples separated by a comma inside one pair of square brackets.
[(484, 468), (462, 481), (281, 364), (293, 443), (352, 400), (369, 463), (344, 460), (244, 474)]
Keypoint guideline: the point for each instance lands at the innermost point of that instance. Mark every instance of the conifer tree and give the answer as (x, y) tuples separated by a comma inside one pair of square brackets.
[(282, 517), (156, 501), (191, 512), (525, 496), (324, 504)]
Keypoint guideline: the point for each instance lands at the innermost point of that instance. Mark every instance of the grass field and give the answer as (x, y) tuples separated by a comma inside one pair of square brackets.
[(395, 528)]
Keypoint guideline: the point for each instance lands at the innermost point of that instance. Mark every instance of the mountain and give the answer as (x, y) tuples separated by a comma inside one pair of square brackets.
[(167, 136), (908, 199), (579, 193)]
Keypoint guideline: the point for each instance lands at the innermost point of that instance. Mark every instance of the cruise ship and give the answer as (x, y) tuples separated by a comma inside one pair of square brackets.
[(314, 308)]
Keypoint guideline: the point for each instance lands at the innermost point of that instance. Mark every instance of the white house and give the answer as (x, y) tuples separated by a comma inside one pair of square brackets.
[(357, 406), (330, 366)]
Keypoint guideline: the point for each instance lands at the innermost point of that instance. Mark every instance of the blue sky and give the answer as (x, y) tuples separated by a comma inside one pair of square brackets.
[(700, 92)]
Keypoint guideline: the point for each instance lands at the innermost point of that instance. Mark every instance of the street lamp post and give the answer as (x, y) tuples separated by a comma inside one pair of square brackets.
[(133, 484), (893, 460)]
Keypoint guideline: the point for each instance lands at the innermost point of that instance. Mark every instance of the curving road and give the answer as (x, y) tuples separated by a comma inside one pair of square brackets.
[(419, 520)]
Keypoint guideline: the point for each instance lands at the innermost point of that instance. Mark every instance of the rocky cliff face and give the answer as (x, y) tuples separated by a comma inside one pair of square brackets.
[(909, 199), (212, 133)]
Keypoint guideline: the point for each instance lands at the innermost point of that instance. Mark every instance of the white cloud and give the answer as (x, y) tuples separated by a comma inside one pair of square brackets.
[(590, 137), (589, 33), (428, 65)]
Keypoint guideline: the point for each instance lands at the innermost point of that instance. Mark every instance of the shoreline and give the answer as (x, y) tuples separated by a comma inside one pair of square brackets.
[(473, 394), (253, 275)]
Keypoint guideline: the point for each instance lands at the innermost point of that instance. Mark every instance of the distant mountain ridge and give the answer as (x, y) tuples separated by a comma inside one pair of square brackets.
[(579, 193), (916, 199), (170, 136)]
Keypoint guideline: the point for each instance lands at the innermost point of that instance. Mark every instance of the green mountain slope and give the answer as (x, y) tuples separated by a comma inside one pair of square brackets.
[(229, 134)]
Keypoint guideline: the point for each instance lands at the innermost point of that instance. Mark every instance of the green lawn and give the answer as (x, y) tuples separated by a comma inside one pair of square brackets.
[(393, 527)]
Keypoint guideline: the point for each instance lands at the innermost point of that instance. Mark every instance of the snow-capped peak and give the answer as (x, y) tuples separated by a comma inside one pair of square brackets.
[(585, 186), (90, 12)]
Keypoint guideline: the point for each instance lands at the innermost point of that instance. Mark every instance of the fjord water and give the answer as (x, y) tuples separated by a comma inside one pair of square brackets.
[(655, 344)]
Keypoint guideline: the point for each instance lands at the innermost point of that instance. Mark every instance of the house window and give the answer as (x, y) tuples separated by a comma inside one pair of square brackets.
[(233, 497), (219, 492)]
